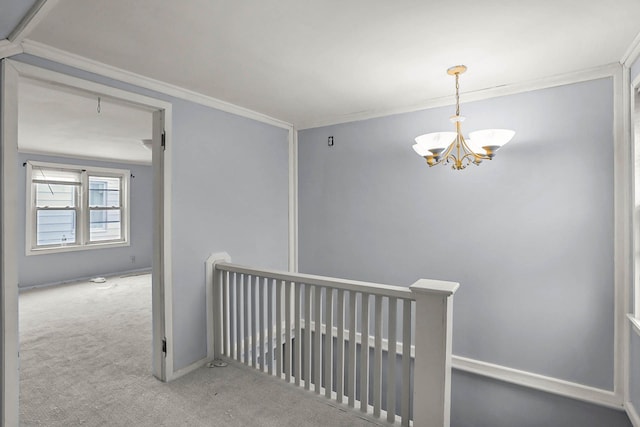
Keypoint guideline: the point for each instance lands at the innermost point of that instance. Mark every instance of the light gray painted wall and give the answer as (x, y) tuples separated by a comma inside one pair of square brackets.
[(230, 192), (12, 13), (43, 269), (528, 235)]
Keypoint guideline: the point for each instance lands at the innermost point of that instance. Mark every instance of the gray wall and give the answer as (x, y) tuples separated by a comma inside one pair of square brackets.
[(529, 235), (230, 193), (12, 13), (44, 269)]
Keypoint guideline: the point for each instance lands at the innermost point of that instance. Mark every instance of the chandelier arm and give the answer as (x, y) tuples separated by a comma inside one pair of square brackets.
[(469, 152)]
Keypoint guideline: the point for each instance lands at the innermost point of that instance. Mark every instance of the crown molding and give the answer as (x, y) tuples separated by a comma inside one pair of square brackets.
[(76, 61), (632, 53), (539, 382), (31, 20), (8, 49), (478, 95)]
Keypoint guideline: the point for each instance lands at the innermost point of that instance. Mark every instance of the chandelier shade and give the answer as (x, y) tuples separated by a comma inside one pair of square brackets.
[(452, 148), (489, 137)]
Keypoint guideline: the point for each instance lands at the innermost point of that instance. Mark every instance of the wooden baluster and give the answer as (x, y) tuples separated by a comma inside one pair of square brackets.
[(270, 292), (254, 322), (328, 343), (391, 361), (247, 307), (406, 361), (226, 327), (351, 362), (317, 350), (287, 324), (377, 358), (340, 347), (297, 362), (239, 280), (308, 293), (364, 355), (279, 285), (233, 308), (261, 302)]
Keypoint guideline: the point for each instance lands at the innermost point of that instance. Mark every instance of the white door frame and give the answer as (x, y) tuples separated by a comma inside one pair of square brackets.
[(9, 233)]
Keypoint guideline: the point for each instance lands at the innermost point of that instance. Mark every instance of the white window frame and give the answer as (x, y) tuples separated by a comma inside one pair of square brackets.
[(83, 210)]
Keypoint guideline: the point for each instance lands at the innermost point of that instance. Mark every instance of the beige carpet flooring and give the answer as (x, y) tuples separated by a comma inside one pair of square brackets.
[(86, 361)]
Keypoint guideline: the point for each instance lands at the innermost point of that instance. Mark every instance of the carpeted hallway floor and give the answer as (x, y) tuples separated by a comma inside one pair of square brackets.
[(85, 361)]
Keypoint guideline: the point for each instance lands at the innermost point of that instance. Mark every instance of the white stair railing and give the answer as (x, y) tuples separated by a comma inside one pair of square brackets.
[(348, 340)]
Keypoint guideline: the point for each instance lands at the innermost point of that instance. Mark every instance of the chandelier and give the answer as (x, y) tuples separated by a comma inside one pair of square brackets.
[(452, 148)]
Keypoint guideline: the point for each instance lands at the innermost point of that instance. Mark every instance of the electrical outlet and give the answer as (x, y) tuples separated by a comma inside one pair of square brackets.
[(330, 141), (133, 259)]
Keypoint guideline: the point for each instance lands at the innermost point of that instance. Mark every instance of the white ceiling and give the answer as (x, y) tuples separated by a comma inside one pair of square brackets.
[(310, 62), (57, 120)]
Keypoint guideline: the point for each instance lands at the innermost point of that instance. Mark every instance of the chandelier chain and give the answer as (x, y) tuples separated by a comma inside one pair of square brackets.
[(457, 94)]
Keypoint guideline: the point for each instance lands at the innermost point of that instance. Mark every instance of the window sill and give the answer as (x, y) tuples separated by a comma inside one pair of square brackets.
[(76, 248)]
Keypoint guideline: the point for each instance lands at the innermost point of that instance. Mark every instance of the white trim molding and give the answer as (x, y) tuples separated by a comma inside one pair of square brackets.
[(538, 382), (8, 49), (632, 414), (66, 58), (9, 348), (162, 269), (623, 226), (632, 53), (478, 95)]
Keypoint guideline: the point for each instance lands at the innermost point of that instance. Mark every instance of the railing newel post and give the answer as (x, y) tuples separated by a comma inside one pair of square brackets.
[(213, 292), (432, 368)]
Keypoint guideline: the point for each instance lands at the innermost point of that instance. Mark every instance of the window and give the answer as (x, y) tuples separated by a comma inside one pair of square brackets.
[(74, 208)]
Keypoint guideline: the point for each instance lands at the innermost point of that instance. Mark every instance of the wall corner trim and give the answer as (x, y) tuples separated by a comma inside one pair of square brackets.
[(632, 413), (632, 53), (539, 382), (8, 49)]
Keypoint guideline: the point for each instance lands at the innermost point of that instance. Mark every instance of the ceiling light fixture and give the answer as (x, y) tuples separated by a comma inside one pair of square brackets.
[(451, 147)]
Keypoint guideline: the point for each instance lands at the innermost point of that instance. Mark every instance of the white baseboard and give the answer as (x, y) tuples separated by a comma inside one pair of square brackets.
[(539, 382), (84, 279), (633, 414)]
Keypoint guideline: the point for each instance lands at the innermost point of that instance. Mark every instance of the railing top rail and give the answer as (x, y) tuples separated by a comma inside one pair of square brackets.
[(330, 282)]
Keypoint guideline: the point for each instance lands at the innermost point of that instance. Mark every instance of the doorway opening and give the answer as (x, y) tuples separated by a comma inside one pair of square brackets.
[(85, 212)]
